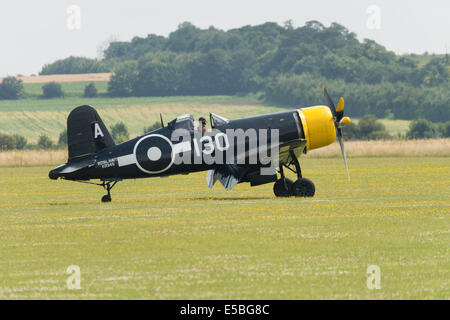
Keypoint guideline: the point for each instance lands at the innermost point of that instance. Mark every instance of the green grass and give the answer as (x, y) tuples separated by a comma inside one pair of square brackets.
[(175, 238), (70, 89), (394, 127)]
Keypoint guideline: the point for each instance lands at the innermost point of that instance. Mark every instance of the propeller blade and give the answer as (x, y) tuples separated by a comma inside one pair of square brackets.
[(340, 110), (330, 103), (338, 114), (341, 143)]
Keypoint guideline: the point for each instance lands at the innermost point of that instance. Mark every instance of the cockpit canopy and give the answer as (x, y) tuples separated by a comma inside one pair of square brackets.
[(185, 121), (217, 121)]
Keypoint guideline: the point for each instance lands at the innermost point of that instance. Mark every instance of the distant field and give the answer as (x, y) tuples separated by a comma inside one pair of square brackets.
[(70, 89), (173, 238), (85, 77), (394, 127), (32, 117)]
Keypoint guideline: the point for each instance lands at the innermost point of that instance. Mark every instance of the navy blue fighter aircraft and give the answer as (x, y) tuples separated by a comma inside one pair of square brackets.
[(254, 149)]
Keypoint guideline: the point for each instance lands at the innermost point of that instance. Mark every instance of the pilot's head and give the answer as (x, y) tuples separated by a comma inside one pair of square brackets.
[(202, 121)]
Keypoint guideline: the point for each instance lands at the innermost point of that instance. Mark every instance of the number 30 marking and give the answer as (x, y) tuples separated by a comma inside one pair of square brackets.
[(209, 144)]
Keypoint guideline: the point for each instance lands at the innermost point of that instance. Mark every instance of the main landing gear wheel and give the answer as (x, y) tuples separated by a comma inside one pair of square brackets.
[(283, 187), (303, 188)]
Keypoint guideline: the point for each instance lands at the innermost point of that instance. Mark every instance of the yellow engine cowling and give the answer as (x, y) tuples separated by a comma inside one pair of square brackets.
[(318, 126)]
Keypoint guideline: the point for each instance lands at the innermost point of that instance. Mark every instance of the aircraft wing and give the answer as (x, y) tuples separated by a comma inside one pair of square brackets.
[(231, 174), (297, 146), (228, 174)]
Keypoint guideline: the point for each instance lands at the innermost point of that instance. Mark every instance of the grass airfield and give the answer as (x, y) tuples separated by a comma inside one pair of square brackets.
[(173, 238)]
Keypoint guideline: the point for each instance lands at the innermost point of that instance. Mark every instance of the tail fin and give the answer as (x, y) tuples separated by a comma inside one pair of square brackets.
[(86, 133)]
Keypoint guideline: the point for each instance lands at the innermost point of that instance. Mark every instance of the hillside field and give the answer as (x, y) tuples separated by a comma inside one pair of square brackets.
[(34, 116), (70, 89), (173, 238), (63, 78)]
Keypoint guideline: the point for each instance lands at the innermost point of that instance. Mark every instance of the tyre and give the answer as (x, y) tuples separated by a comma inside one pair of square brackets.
[(279, 188), (303, 188), (106, 198)]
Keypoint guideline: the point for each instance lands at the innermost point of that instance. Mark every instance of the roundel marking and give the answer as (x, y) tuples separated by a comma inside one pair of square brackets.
[(154, 153)]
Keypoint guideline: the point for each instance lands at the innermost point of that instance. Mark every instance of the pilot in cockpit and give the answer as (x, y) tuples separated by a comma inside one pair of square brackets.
[(203, 122)]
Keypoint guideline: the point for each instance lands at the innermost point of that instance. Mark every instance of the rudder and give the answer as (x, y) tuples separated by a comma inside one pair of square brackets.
[(86, 133)]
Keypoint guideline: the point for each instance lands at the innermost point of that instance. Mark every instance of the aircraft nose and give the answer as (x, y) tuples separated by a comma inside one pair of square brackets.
[(318, 126)]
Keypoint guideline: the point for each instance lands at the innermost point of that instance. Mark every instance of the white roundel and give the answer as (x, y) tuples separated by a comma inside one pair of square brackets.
[(154, 153)]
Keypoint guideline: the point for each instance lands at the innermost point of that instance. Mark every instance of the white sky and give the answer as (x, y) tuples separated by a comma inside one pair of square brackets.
[(34, 33)]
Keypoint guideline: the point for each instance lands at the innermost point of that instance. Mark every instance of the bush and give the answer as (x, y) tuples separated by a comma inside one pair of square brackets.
[(119, 132), (10, 142), (422, 129), (20, 142), (351, 131), (123, 80), (45, 142), (6, 142), (372, 129), (52, 90), (90, 91), (444, 129), (154, 126), (367, 128), (11, 88)]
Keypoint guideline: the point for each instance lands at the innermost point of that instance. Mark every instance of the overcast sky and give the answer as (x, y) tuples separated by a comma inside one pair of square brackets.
[(34, 33)]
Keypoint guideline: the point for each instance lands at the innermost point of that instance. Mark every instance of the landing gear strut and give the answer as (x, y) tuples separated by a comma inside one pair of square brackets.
[(107, 186), (284, 187)]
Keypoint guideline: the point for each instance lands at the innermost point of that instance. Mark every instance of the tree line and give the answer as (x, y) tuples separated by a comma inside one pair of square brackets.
[(284, 65)]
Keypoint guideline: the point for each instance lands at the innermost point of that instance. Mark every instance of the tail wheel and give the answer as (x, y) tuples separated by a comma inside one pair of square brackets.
[(106, 198), (283, 187), (303, 188)]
